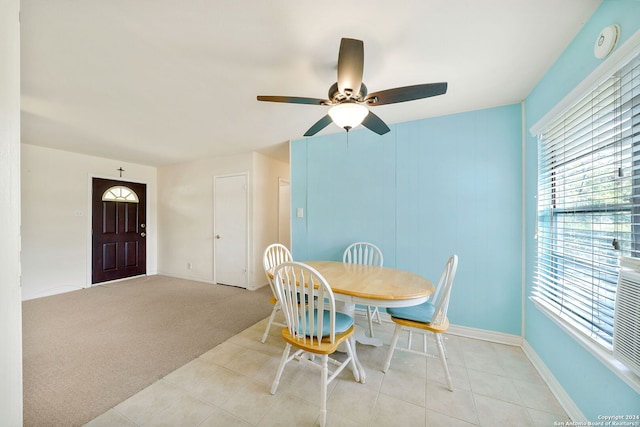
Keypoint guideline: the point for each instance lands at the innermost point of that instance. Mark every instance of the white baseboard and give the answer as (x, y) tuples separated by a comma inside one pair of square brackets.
[(50, 292), (485, 335), (185, 277), (463, 331), (253, 287), (558, 391)]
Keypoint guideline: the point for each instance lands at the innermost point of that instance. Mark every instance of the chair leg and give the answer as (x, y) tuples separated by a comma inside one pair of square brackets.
[(370, 318), (276, 307), (443, 360), (376, 314), (323, 391), (351, 352), (392, 347), (283, 362)]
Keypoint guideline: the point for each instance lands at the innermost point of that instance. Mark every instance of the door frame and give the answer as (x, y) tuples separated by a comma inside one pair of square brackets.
[(247, 224), (89, 225), (284, 182)]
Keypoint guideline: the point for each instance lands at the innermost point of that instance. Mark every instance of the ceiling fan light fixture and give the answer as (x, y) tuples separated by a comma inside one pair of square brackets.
[(348, 114)]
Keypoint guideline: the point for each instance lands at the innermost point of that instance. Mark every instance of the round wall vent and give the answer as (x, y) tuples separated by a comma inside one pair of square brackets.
[(606, 41)]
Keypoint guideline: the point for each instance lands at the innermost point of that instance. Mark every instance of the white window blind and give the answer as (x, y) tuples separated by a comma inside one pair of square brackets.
[(589, 203)]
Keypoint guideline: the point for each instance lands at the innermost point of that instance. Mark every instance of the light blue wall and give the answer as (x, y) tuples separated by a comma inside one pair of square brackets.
[(593, 387), (425, 190)]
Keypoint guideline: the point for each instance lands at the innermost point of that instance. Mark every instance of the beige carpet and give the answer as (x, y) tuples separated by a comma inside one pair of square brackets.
[(86, 351)]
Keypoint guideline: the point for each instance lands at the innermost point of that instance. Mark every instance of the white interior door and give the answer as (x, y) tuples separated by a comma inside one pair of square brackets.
[(230, 225)]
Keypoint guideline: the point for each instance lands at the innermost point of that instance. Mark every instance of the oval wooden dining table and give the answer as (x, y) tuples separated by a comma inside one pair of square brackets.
[(372, 286)]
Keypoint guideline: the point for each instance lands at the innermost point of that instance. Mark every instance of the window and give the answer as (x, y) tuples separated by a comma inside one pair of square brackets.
[(589, 203), (120, 193)]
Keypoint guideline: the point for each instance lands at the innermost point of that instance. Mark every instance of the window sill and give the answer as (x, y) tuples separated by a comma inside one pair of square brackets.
[(607, 359)]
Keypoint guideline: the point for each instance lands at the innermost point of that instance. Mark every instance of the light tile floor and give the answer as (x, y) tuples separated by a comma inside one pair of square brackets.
[(494, 385)]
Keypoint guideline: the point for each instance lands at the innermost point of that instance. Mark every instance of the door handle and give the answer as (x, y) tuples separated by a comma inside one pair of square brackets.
[(143, 234), (218, 236)]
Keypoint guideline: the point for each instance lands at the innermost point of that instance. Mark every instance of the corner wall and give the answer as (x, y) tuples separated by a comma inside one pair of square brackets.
[(186, 213), (267, 173), (10, 306)]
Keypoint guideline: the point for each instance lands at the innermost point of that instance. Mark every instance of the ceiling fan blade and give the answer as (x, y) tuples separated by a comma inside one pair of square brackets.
[(294, 100), (319, 125), (406, 93), (350, 66), (375, 123)]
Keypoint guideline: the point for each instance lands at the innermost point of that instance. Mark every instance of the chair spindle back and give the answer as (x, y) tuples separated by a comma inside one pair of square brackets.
[(443, 291), (306, 299), (363, 253)]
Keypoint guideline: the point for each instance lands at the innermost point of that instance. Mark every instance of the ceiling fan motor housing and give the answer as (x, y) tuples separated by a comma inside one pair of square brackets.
[(337, 97)]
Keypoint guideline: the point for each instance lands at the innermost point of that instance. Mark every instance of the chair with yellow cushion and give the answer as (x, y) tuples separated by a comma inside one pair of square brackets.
[(428, 317), (314, 328)]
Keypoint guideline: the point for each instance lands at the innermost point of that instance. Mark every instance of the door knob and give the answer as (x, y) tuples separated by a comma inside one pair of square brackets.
[(218, 236), (143, 234)]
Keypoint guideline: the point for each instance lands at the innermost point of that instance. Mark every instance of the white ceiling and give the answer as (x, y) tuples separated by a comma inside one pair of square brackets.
[(165, 81)]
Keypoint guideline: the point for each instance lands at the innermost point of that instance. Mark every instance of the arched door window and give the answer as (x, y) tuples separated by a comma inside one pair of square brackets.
[(120, 193)]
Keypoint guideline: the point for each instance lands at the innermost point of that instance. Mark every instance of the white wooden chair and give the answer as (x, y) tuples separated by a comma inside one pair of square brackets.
[(274, 255), (369, 254), (315, 328), (425, 318)]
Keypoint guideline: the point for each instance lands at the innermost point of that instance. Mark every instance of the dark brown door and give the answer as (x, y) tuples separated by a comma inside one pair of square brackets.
[(118, 230)]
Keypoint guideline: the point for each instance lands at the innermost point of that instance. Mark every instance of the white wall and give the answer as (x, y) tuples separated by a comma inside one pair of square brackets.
[(267, 173), (10, 307), (185, 211), (56, 214)]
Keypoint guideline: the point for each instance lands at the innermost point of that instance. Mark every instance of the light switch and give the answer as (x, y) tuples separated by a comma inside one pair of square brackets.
[(300, 213)]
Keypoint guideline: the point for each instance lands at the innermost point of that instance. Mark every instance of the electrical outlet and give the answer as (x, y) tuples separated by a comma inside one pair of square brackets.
[(189, 265)]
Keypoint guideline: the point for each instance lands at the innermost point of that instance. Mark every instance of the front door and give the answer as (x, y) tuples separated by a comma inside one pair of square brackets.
[(118, 230)]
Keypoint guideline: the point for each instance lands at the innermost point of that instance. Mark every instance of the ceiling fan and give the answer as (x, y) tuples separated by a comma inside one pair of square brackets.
[(348, 97)]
